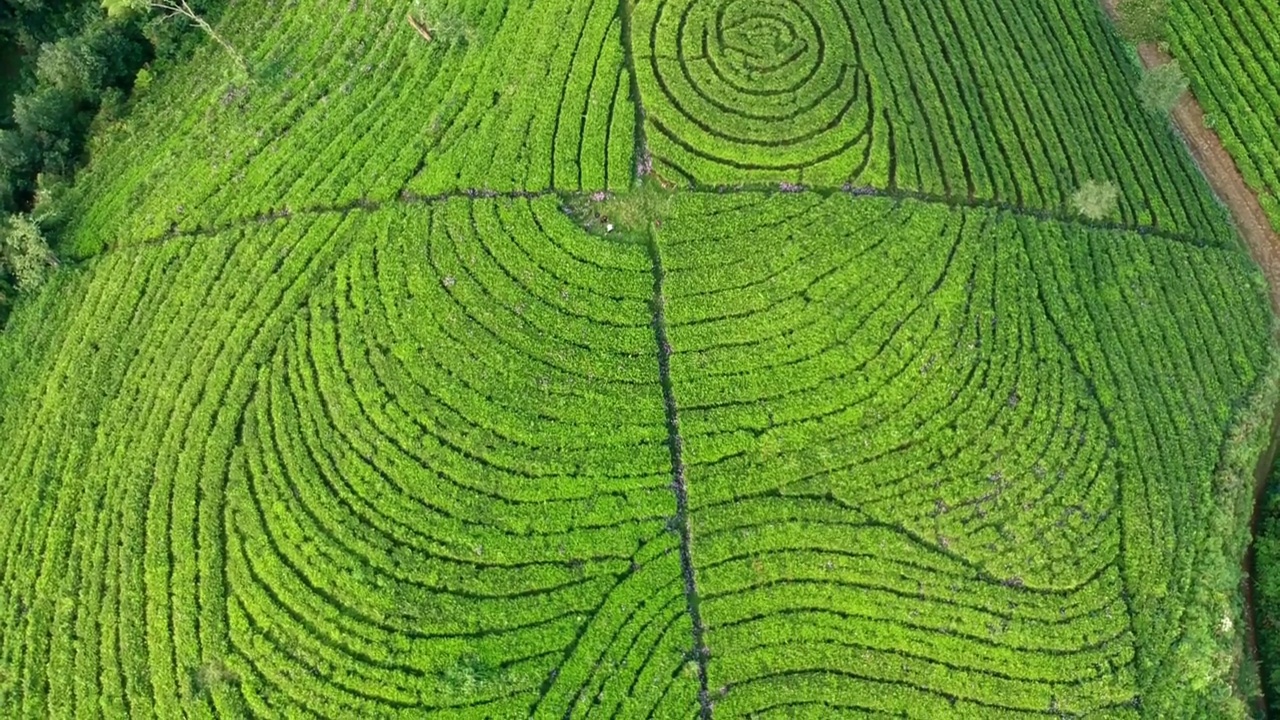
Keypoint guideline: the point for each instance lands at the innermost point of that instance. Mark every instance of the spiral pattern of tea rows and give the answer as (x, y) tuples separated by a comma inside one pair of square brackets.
[(753, 90)]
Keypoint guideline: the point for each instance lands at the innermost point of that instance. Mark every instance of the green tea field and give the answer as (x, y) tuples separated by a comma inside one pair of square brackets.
[(1230, 48), (653, 359)]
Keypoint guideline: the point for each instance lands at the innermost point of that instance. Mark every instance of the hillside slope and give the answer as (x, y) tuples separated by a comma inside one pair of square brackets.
[(417, 458), (343, 413)]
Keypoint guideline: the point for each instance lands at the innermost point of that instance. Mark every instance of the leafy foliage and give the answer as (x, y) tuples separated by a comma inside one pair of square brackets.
[(1162, 87), (175, 9), (517, 109), (1142, 21), (1267, 561), (1230, 49), (1096, 200), (354, 420), (914, 437), (74, 68), (66, 77), (1003, 101), (25, 252)]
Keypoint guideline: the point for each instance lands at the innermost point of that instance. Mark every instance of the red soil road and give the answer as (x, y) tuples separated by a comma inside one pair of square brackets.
[(1264, 246), (1227, 182)]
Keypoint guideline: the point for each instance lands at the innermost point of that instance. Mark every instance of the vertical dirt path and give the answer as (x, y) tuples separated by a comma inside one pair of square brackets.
[(700, 654), (1263, 243)]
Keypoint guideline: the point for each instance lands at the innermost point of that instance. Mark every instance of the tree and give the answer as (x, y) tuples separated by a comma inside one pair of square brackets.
[(1162, 87), (25, 252), (1142, 21), (49, 124), (175, 8), (1096, 200), (70, 65)]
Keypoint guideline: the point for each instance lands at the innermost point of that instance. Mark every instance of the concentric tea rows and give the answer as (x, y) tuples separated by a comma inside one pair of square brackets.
[(916, 485), (452, 494), (432, 460), (349, 418), (998, 101), (436, 481), (750, 91)]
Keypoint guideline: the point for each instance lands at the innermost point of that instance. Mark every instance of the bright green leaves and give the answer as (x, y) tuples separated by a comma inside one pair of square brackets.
[(1229, 50), (458, 461), (999, 101), (116, 8), (888, 449), (396, 445), (24, 251), (350, 107), (933, 455), (760, 92), (416, 458)]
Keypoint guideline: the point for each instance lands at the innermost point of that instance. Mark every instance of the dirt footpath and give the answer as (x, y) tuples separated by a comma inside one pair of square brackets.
[(1227, 182)]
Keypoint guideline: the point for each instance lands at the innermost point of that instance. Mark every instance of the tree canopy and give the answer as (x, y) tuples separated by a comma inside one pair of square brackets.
[(1162, 87)]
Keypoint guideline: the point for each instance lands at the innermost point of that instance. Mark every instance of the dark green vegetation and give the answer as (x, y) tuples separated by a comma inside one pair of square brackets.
[(384, 387), (1267, 582), (1231, 51), (59, 62), (65, 71)]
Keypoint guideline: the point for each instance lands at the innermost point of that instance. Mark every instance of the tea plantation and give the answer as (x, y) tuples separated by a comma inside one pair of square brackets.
[(677, 358), (1232, 53)]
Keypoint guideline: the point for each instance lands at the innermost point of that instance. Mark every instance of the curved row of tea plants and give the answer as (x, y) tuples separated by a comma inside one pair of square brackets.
[(952, 463), (1229, 49), (997, 102), (416, 460), (1000, 101), (453, 490), (347, 105), (112, 582), (426, 471)]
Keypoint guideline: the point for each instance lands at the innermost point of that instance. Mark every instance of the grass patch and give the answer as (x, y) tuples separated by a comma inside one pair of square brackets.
[(626, 215)]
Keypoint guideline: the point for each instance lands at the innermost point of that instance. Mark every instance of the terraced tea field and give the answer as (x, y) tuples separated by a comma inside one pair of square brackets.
[(353, 409), (1029, 103), (998, 101), (1230, 52)]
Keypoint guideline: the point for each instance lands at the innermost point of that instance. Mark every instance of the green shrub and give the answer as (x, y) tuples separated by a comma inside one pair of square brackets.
[(1162, 87), (25, 252), (1096, 200), (1142, 21)]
